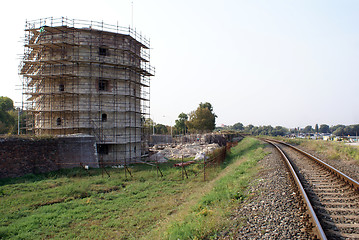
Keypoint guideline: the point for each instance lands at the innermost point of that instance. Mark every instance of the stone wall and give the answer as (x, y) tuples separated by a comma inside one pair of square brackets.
[(160, 139), (76, 149), (20, 156)]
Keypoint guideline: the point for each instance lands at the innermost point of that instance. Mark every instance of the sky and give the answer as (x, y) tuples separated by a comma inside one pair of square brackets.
[(262, 62)]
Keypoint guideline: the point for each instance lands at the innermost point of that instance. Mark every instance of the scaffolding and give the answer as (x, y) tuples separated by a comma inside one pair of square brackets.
[(91, 78)]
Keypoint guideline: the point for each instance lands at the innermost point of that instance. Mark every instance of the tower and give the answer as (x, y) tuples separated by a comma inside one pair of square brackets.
[(91, 78)]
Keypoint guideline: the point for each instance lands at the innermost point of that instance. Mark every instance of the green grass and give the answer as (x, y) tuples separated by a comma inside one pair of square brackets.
[(211, 213), (330, 149), (70, 204)]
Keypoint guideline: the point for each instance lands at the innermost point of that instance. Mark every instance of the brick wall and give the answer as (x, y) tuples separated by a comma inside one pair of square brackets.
[(20, 156)]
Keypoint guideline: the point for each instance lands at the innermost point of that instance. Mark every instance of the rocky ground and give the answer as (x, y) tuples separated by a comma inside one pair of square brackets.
[(272, 210)]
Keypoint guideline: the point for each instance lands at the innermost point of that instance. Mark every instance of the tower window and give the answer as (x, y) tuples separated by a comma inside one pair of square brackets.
[(58, 121), (102, 51), (102, 149), (104, 117), (61, 87), (103, 85)]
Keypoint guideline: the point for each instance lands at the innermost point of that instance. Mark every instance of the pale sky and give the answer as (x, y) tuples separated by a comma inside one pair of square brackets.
[(260, 62)]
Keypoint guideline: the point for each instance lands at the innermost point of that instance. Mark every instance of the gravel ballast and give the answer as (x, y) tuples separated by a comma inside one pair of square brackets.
[(272, 210)]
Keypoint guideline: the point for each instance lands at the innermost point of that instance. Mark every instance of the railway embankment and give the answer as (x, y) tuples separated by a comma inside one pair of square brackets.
[(272, 210)]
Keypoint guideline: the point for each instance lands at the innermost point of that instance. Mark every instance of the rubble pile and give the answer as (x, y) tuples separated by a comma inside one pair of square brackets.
[(202, 138), (158, 157), (195, 146), (186, 150)]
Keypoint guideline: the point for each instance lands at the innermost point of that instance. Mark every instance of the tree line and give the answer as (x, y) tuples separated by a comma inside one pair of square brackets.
[(337, 130), (257, 130), (201, 120)]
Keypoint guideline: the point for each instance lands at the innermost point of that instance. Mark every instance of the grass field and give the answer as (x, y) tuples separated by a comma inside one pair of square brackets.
[(70, 204), (330, 149)]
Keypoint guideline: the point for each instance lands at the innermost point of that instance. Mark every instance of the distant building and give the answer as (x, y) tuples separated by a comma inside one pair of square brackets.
[(326, 137), (88, 77)]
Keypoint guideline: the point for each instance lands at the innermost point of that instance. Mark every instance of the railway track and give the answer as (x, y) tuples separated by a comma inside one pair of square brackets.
[(329, 196)]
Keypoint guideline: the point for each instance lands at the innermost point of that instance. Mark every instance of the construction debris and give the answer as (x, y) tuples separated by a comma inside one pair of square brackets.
[(200, 156), (158, 157), (183, 150)]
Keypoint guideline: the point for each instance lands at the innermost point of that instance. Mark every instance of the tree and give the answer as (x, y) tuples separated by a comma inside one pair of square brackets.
[(355, 130), (316, 128), (6, 104), (279, 131), (255, 130), (148, 125), (203, 119), (238, 126), (206, 105), (160, 129), (250, 126), (339, 131), (351, 130), (308, 129), (334, 128), (265, 130), (324, 128), (180, 123), (248, 129), (7, 116), (342, 130)]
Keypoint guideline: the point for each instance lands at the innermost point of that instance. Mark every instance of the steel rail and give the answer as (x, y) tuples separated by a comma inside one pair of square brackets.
[(349, 180), (317, 228)]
